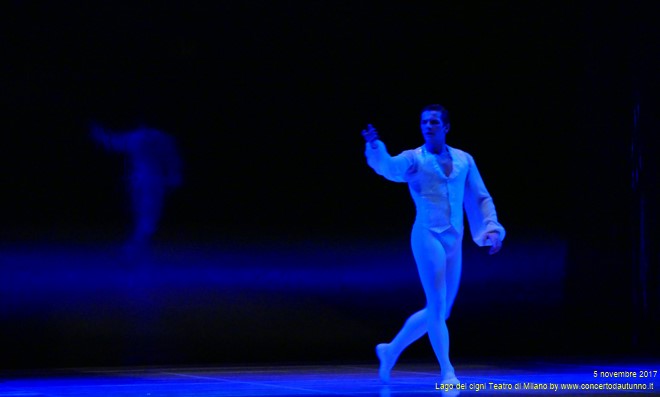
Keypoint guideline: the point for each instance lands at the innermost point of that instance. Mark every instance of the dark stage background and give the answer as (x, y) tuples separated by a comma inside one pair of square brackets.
[(281, 244)]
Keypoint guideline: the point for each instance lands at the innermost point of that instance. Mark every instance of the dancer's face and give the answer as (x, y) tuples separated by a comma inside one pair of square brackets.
[(433, 129)]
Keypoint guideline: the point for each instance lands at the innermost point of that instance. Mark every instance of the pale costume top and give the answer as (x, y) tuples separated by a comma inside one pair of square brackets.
[(439, 198)]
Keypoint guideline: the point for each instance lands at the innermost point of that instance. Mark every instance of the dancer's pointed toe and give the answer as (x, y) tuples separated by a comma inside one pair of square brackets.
[(385, 365)]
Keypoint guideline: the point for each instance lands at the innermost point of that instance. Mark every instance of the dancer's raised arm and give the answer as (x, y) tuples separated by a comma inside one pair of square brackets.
[(393, 168)]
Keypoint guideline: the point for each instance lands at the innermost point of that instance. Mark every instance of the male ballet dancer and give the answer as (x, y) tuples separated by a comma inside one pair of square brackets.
[(442, 180)]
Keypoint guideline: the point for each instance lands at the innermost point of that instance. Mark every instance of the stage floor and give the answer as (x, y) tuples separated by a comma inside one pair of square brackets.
[(523, 378)]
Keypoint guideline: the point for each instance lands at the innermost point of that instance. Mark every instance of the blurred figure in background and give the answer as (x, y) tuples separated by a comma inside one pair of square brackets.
[(153, 169)]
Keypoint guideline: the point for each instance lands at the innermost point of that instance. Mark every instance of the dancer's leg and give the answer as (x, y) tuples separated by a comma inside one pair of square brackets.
[(388, 353), (452, 242), (147, 204), (416, 325), (413, 329), (432, 265), (147, 199)]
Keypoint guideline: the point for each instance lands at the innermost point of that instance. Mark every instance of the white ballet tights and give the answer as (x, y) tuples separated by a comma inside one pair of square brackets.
[(438, 258)]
